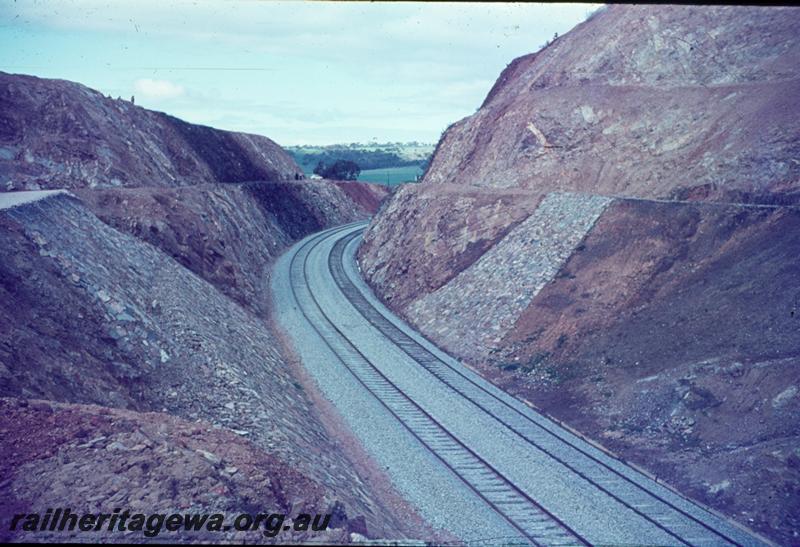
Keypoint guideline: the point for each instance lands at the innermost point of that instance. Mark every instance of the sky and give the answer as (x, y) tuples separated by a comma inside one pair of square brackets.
[(297, 72)]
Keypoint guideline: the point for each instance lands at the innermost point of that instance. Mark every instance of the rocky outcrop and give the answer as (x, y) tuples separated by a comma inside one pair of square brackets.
[(668, 101), (59, 134), (672, 102), (663, 321)]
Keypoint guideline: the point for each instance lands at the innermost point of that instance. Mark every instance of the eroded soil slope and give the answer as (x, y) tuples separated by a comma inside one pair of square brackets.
[(672, 335)]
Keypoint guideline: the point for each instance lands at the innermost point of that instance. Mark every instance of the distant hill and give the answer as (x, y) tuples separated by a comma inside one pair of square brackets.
[(368, 156)]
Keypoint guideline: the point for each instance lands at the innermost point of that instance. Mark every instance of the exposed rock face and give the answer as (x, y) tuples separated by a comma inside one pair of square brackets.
[(651, 102), (59, 134), (425, 235), (613, 236)]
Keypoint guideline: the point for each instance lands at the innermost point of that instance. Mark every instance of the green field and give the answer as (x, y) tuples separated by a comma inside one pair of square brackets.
[(385, 163), (413, 151), (390, 175)]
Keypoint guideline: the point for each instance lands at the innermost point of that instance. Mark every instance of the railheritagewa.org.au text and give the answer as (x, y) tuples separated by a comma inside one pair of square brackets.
[(153, 524)]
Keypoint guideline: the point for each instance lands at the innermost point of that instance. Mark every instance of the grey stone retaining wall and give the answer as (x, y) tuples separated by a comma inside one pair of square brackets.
[(475, 309)]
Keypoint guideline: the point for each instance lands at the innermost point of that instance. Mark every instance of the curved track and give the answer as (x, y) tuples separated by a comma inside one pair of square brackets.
[(532, 520), (675, 517)]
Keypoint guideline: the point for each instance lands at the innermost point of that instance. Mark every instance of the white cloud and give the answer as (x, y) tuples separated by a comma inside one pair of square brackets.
[(157, 89), (295, 71)]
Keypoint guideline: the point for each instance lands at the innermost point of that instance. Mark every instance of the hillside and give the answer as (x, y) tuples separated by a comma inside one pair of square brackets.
[(59, 134), (135, 326), (612, 237), (682, 102), (94, 315)]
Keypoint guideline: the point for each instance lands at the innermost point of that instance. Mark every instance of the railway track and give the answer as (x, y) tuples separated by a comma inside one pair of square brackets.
[(621, 487), (535, 523), (683, 521)]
